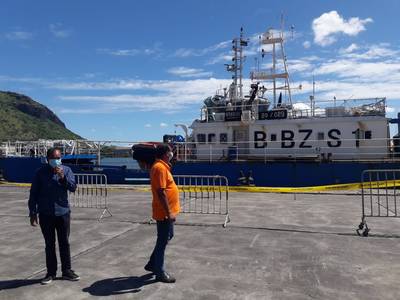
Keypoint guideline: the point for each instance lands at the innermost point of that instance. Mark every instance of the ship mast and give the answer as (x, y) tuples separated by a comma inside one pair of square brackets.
[(236, 67), (275, 74)]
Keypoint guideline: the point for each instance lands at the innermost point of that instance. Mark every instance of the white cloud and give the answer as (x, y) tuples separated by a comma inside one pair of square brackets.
[(163, 125), (19, 35), (81, 111), (166, 96), (327, 26), (307, 44), (120, 52), (345, 90), (352, 74), (220, 58), (156, 49), (189, 72), (372, 52), (299, 65), (185, 87), (147, 125), (366, 71), (58, 31), (188, 52), (349, 49), (30, 80)]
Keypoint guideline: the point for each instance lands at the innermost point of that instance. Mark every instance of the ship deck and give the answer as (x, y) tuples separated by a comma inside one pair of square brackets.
[(277, 246)]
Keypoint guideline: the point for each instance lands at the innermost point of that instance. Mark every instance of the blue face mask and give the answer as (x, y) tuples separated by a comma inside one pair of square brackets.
[(54, 163)]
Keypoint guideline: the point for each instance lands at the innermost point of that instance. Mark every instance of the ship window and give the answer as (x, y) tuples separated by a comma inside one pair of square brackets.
[(320, 136), (223, 138), (201, 138), (368, 135), (273, 137), (211, 138)]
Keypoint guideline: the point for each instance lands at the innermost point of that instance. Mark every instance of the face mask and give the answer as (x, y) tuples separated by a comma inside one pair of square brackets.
[(54, 163), (170, 155)]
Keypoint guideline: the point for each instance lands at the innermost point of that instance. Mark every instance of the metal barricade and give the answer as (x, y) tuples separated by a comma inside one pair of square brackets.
[(380, 196), (91, 192), (206, 195)]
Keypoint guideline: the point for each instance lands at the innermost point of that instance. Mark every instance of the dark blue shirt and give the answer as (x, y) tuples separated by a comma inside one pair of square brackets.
[(49, 192)]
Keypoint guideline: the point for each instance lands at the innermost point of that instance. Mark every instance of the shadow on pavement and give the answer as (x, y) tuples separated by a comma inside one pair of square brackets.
[(119, 285), (16, 283)]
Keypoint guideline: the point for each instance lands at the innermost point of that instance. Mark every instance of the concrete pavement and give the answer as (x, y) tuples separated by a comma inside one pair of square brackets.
[(277, 246)]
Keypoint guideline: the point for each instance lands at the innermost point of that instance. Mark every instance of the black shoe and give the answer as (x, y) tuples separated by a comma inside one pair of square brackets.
[(47, 279), (70, 275), (149, 268), (166, 278)]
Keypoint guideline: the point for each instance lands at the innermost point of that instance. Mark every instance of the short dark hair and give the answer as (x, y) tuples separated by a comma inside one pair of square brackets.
[(162, 149), (51, 150)]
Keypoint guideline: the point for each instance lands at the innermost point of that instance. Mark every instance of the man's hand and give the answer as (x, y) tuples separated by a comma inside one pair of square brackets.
[(60, 172), (171, 217), (34, 220)]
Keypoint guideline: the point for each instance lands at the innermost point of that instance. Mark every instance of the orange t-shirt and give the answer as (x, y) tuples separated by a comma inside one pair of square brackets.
[(161, 178)]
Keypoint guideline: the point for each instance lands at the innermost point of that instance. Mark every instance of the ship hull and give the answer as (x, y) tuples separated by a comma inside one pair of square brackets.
[(263, 174), (283, 174), (22, 170)]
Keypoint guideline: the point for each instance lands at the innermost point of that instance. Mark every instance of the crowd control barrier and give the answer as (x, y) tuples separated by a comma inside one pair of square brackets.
[(380, 196), (91, 192), (204, 195)]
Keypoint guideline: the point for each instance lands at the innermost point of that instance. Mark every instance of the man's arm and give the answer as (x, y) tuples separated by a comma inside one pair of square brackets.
[(164, 202), (33, 199)]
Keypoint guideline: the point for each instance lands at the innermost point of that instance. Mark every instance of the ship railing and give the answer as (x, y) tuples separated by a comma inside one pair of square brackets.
[(39, 148), (299, 110), (91, 192), (380, 197), (365, 148), (349, 149), (204, 195)]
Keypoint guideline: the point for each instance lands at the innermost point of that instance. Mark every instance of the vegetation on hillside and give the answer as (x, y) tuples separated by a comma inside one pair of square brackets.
[(22, 118)]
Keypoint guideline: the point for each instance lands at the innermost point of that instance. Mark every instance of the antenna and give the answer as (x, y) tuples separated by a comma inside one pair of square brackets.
[(313, 97), (237, 66), (313, 86), (292, 30)]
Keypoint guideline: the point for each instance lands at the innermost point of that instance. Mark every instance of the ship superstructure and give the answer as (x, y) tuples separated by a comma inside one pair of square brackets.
[(267, 125)]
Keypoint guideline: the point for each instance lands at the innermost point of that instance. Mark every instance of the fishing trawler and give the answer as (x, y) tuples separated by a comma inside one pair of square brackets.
[(266, 139)]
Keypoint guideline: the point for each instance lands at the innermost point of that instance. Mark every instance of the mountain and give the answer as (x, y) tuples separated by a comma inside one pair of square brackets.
[(22, 118)]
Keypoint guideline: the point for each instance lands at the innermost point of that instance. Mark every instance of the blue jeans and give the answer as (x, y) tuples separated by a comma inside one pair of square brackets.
[(165, 232)]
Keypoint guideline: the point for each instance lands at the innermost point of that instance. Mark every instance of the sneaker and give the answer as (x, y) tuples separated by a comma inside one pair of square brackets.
[(70, 275), (149, 268), (166, 278), (47, 279)]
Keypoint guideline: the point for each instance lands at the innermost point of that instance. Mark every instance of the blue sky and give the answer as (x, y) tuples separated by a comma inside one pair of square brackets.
[(130, 70)]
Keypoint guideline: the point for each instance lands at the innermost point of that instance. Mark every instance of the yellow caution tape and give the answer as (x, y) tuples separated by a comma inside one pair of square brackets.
[(6, 183), (321, 188), (256, 189)]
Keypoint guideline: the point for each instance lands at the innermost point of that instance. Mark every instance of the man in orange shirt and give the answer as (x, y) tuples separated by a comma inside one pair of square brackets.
[(165, 209)]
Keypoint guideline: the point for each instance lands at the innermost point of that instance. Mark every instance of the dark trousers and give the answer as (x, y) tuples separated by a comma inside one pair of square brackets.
[(50, 225), (165, 232)]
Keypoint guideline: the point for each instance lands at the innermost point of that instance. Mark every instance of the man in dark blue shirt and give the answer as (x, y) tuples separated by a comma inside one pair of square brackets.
[(49, 198)]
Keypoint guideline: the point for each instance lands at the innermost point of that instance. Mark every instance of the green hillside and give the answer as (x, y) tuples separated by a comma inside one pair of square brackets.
[(22, 118)]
